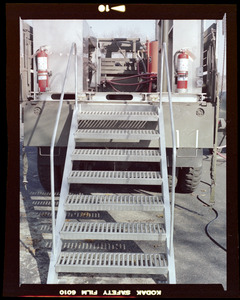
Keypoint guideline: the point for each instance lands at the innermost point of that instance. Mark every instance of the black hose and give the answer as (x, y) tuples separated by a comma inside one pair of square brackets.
[(206, 227), (144, 66), (36, 59), (174, 61)]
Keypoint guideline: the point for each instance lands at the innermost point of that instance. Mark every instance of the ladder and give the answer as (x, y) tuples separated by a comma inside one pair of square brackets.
[(113, 262)]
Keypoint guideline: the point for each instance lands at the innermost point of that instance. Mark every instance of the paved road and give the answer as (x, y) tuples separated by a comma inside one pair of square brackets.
[(198, 259)]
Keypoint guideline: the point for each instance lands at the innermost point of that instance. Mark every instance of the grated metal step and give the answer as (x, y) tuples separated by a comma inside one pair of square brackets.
[(115, 177), (126, 134), (116, 155), (113, 263), (113, 231), (114, 202), (118, 115)]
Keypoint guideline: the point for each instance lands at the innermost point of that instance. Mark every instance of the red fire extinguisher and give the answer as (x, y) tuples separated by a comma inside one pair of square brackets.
[(181, 69), (42, 69)]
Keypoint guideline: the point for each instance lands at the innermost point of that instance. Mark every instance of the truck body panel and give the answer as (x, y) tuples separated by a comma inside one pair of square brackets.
[(39, 127)]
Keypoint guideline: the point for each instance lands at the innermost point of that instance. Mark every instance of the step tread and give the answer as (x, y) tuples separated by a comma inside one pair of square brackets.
[(128, 134), (114, 202), (115, 177), (114, 231), (116, 154), (108, 262), (118, 115)]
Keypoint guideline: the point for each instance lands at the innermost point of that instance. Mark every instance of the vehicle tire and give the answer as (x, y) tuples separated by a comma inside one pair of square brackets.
[(189, 179), (170, 178), (45, 177), (44, 170)]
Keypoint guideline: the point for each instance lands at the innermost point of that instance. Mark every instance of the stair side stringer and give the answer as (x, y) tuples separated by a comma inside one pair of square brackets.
[(166, 198), (61, 213)]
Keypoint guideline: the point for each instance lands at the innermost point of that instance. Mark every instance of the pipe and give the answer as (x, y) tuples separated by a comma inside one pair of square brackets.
[(128, 84), (150, 86), (165, 41), (76, 70), (133, 76), (220, 154)]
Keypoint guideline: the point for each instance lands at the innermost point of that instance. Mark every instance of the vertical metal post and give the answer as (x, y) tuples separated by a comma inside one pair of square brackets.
[(159, 38), (161, 75), (214, 156), (34, 78), (165, 42), (76, 74)]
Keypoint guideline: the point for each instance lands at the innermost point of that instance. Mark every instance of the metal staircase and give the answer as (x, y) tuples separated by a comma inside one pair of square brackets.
[(63, 261)]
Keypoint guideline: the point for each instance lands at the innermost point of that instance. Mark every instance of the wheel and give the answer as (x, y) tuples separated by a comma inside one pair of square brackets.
[(44, 168), (189, 179), (44, 177), (170, 178)]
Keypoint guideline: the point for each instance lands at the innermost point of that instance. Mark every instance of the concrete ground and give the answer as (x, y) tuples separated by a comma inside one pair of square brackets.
[(198, 259)]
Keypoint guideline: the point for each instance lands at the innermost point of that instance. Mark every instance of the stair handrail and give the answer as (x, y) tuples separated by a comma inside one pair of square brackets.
[(164, 53), (73, 51)]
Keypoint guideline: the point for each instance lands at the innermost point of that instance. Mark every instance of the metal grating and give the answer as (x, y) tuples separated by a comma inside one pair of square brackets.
[(126, 134), (115, 177), (114, 202), (111, 124), (118, 115), (116, 155), (114, 263), (113, 231)]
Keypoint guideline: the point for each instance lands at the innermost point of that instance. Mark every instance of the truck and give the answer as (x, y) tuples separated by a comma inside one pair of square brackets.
[(120, 112)]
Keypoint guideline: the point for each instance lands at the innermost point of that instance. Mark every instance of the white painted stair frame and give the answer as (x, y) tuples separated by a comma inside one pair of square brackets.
[(56, 241), (61, 213), (171, 260), (52, 276)]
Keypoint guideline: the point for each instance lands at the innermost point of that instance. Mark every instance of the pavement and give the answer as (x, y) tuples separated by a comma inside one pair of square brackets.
[(198, 259)]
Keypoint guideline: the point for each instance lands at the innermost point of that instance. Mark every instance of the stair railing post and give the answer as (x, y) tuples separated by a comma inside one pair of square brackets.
[(173, 145), (165, 191), (76, 74), (52, 154)]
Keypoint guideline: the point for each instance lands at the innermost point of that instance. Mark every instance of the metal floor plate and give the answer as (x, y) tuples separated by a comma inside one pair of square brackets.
[(114, 263), (115, 177), (116, 155), (113, 231), (114, 202)]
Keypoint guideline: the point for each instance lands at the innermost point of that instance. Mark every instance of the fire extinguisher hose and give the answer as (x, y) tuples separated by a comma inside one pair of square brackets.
[(174, 61)]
